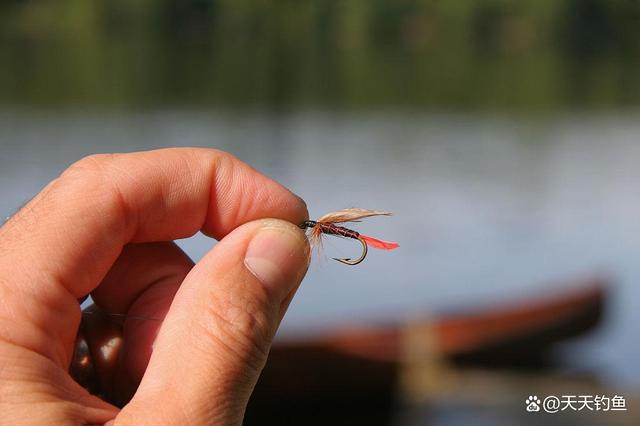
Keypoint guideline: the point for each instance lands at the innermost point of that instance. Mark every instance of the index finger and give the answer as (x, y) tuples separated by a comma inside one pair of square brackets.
[(74, 230)]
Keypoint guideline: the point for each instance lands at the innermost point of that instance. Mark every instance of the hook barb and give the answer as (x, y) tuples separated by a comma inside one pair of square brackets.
[(349, 261)]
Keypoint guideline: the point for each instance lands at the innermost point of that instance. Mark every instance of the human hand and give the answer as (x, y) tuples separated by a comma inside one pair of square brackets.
[(105, 227)]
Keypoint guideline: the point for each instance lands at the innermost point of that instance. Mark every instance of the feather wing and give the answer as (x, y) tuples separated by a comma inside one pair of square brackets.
[(350, 215)]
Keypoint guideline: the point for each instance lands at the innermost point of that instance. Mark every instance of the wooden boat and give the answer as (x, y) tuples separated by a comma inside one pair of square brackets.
[(496, 334), (360, 366)]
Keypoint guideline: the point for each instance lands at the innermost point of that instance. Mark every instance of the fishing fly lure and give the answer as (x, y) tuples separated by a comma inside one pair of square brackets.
[(327, 224)]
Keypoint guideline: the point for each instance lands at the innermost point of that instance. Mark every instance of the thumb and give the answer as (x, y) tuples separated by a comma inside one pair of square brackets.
[(216, 337)]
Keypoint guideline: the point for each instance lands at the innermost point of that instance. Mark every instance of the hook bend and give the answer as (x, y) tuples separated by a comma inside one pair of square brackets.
[(351, 262)]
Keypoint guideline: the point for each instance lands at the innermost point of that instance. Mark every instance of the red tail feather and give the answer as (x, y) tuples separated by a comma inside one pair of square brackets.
[(379, 244)]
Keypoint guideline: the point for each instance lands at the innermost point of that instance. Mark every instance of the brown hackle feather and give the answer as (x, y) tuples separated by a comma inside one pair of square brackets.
[(315, 238)]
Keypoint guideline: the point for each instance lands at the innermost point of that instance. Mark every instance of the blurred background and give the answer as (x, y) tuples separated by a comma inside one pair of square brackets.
[(504, 135)]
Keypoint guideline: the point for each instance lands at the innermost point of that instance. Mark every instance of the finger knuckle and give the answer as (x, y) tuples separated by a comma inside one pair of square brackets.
[(93, 178), (94, 163), (88, 174)]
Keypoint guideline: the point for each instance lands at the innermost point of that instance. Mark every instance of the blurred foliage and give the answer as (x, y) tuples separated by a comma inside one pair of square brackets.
[(440, 54)]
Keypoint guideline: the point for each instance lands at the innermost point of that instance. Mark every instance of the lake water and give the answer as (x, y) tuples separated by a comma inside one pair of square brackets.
[(488, 208)]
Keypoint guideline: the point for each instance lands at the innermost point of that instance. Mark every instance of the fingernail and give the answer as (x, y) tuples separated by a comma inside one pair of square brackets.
[(277, 255)]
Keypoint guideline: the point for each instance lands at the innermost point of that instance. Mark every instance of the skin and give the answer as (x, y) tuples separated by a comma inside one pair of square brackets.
[(106, 227)]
